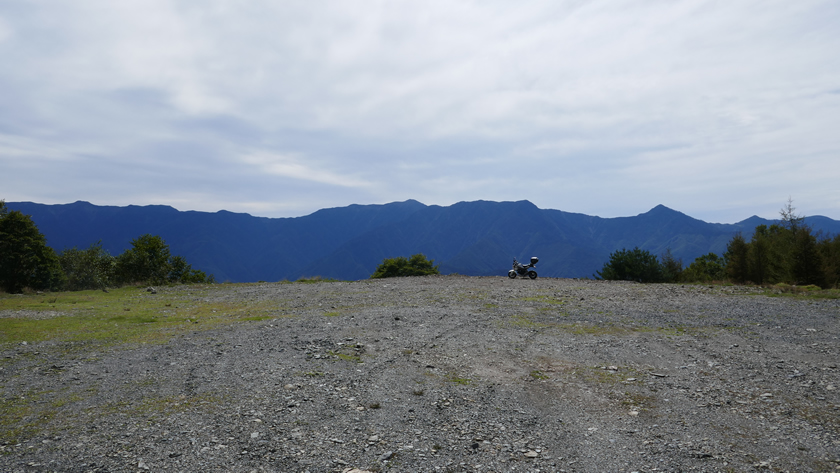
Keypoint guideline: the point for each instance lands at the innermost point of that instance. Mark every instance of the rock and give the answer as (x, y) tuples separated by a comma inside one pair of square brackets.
[(531, 454), (386, 456)]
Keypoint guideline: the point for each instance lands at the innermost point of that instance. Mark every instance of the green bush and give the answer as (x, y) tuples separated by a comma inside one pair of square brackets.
[(632, 265), (417, 265), (93, 268), (706, 268)]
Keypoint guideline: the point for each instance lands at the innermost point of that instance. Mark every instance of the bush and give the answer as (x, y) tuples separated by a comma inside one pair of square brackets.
[(706, 268), (633, 265), (417, 265), (93, 268)]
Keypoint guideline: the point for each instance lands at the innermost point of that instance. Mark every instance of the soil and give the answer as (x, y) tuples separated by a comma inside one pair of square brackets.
[(450, 374)]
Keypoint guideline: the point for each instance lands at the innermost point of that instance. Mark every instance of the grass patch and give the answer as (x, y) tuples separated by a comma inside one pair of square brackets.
[(801, 292), (125, 315), (537, 374), (316, 280), (453, 378), (344, 356), (21, 417), (524, 321)]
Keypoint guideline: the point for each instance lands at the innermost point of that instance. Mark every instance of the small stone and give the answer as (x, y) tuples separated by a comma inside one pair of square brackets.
[(386, 456), (255, 435), (634, 413), (142, 465), (531, 454)]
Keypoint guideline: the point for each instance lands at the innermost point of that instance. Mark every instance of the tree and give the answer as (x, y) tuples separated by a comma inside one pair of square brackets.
[(182, 272), (709, 267), (93, 268), (25, 259), (760, 266), (147, 261), (634, 265), (417, 265), (829, 249), (672, 267), (805, 267), (736, 259)]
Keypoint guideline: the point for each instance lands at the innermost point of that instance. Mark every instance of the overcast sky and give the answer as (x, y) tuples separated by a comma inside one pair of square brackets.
[(720, 110)]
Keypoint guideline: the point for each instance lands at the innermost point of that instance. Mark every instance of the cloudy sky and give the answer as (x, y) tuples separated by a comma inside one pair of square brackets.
[(721, 110)]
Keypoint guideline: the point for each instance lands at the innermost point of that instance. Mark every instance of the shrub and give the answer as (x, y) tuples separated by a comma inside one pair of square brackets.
[(93, 268), (633, 265), (710, 267), (417, 265)]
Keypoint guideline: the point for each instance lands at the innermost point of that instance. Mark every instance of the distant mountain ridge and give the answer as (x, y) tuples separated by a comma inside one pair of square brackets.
[(473, 238)]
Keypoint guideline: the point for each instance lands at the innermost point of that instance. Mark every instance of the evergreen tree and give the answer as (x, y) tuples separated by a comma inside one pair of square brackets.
[(736, 259)]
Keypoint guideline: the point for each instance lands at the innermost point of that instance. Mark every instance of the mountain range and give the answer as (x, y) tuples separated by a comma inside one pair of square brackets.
[(472, 238)]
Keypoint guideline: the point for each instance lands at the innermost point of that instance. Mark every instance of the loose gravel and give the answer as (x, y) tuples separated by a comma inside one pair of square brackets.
[(449, 374)]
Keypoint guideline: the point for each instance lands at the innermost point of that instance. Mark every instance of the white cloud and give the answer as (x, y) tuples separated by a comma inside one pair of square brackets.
[(608, 106), (295, 167)]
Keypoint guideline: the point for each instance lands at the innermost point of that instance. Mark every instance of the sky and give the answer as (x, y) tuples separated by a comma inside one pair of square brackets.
[(720, 110)]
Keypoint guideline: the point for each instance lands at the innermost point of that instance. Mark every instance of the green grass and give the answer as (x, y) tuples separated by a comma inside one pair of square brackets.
[(801, 292), (315, 280), (537, 374), (21, 417), (453, 378), (126, 315)]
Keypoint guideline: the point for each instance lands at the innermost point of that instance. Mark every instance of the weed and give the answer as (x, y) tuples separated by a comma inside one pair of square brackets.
[(315, 280), (536, 374), (452, 378)]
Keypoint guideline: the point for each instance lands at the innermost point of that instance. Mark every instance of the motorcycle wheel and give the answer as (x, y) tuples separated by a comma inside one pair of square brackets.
[(512, 274), (532, 274)]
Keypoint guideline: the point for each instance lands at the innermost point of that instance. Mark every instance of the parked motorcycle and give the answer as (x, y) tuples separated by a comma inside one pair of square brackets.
[(523, 269)]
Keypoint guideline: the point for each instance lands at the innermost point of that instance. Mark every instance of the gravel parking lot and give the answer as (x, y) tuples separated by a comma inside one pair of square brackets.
[(450, 374)]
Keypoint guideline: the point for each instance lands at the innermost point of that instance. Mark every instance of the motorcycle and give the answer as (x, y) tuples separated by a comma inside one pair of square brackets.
[(524, 269)]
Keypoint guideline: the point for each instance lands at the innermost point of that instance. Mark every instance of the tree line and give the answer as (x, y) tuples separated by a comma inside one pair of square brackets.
[(789, 252), (26, 262)]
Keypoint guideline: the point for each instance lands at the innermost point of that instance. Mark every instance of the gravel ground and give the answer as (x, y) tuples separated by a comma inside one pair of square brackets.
[(450, 374)]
